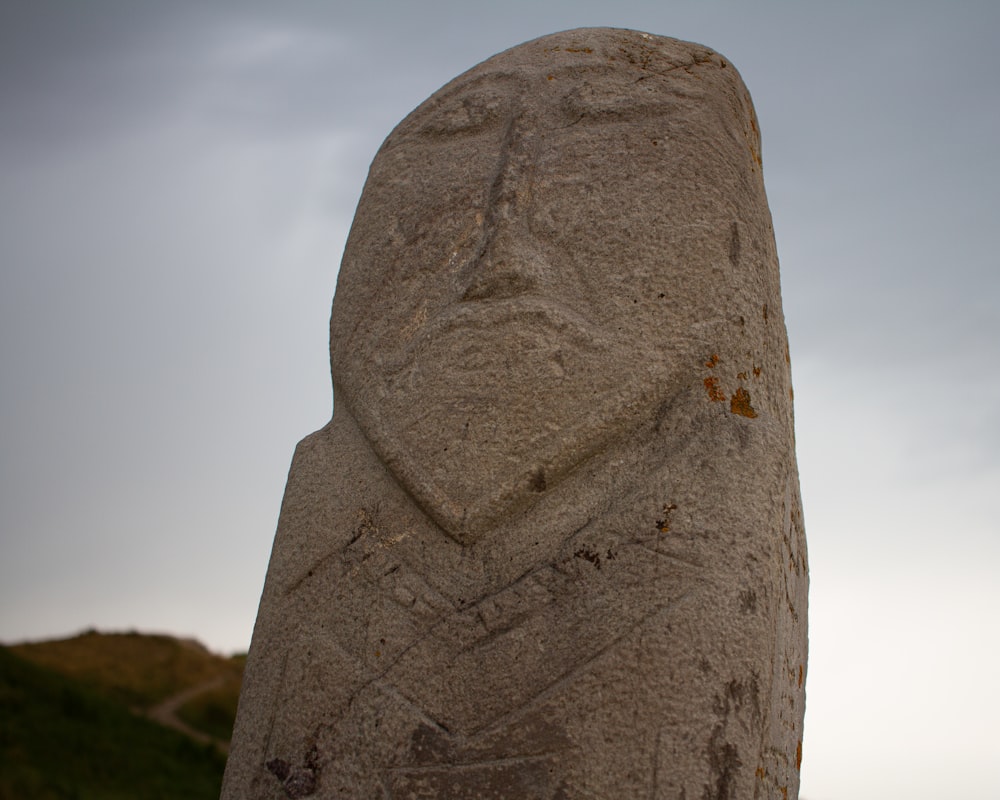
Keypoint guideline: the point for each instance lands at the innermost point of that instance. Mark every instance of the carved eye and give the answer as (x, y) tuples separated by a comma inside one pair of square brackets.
[(637, 100), (588, 100), (466, 114)]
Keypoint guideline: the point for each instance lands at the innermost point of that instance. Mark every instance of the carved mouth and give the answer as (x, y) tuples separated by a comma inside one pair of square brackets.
[(516, 325)]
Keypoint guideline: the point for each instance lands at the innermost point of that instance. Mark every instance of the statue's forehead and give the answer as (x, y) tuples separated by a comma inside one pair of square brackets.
[(542, 77), (578, 88)]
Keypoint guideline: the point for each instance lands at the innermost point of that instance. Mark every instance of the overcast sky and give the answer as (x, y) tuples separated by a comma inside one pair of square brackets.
[(176, 184)]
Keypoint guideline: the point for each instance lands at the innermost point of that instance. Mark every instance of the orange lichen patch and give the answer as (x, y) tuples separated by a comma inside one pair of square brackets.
[(761, 773), (713, 361), (784, 792), (801, 676), (741, 376), (756, 371), (551, 77), (765, 312), (714, 392), (579, 50), (798, 755), (740, 404)]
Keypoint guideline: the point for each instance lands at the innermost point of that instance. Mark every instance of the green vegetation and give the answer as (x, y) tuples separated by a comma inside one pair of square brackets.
[(61, 739), (214, 711), (138, 669)]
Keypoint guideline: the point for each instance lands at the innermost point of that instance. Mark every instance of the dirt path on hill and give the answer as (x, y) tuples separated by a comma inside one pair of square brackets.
[(166, 712)]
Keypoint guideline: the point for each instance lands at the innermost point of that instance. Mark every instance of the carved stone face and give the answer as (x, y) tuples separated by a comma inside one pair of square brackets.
[(516, 290)]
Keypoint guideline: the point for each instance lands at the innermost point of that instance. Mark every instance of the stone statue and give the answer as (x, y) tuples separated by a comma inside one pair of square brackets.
[(550, 546)]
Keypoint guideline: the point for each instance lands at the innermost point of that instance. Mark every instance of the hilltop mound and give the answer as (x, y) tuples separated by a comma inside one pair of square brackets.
[(140, 670), (60, 737)]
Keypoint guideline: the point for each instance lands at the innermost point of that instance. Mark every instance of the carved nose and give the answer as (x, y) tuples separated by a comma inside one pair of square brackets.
[(508, 262), (507, 265)]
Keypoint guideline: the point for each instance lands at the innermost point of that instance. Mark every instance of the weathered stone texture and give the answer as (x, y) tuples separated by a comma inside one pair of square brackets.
[(550, 544)]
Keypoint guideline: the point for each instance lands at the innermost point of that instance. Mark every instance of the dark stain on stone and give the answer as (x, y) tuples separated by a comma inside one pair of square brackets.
[(538, 480), (366, 525), (589, 555), (724, 761), (663, 525), (279, 768), (734, 244), (297, 782), (429, 746), (739, 694), (301, 783), (748, 601)]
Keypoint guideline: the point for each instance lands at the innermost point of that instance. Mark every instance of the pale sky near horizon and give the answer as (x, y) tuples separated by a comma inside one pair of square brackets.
[(178, 182)]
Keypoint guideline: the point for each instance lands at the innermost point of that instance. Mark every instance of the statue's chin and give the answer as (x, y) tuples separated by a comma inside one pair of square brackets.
[(478, 421)]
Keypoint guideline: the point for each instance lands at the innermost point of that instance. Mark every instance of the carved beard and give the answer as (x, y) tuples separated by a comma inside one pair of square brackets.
[(491, 407)]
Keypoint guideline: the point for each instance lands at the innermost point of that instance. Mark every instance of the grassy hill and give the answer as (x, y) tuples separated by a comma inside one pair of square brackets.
[(77, 718), (138, 669)]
